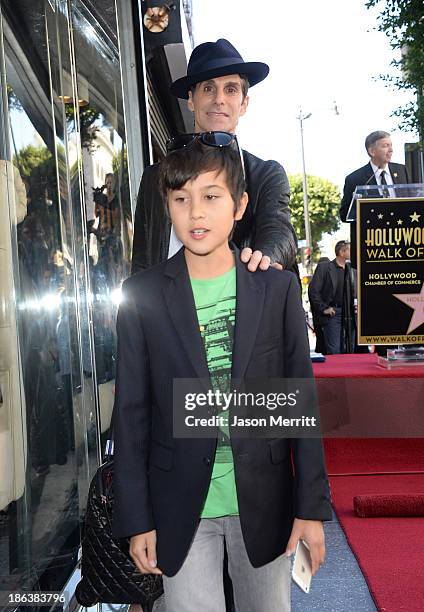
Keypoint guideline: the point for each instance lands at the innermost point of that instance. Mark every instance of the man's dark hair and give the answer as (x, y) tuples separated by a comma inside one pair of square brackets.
[(372, 138), (188, 163), (244, 85), (341, 244)]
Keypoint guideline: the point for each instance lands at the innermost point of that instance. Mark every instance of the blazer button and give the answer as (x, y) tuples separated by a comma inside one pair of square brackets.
[(206, 461)]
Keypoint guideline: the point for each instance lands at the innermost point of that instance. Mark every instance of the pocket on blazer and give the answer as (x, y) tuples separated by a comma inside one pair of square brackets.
[(279, 450), (161, 456)]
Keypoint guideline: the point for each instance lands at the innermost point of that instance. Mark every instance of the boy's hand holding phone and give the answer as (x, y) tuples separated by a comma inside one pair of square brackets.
[(143, 552), (312, 533)]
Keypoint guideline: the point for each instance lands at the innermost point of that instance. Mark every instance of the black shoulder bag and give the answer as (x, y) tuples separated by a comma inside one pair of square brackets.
[(109, 575)]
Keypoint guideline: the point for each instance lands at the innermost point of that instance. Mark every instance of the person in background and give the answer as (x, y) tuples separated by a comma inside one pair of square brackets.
[(326, 291), (108, 231), (320, 345), (378, 171)]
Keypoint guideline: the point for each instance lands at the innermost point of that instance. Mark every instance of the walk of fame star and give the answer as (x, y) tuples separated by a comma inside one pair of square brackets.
[(415, 301)]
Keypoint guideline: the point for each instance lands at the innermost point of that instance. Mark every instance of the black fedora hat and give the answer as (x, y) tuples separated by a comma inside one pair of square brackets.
[(215, 59)]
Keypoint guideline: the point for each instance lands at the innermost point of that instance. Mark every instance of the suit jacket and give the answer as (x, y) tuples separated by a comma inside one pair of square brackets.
[(322, 288), (160, 481), (365, 176), (265, 225)]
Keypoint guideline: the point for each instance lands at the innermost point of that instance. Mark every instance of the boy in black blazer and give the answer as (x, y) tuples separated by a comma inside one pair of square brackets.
[(202, 315)]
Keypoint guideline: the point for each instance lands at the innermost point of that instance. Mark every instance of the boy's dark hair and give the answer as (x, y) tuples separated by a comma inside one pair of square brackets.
[(189, 162)]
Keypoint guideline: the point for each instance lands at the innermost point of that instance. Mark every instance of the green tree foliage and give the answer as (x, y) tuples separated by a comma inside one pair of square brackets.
[(32, 158), (37, 166), (323, 201), (88, 118), (403, 22)]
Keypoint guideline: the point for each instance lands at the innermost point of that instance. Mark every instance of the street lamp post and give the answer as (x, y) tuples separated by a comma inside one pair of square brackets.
[(308, 237)]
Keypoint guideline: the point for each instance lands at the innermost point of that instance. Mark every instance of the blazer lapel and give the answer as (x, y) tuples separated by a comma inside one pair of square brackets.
[(369, 176), (182, 310), (395, 174), (250, 301)]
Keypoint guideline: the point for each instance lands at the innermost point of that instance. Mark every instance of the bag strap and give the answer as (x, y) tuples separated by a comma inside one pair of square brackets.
[(110, 443)]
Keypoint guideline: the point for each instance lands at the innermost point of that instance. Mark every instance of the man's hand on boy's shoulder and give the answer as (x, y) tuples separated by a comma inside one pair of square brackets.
[(312, 533), (143, 552), (255, 259)]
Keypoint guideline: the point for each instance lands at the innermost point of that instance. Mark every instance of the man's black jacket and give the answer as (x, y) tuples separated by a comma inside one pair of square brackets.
[(365, 176), (323, 287), (265, 225), (161, 481)]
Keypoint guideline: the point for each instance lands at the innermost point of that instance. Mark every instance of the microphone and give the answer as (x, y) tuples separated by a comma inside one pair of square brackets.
[(372, 176), (382, 186)]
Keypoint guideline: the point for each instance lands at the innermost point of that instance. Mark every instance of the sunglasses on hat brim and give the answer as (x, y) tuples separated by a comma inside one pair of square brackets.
[(211, 139)]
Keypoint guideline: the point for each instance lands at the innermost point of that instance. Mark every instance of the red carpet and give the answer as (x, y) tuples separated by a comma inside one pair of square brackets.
[(368, 506), (374, 455), (359, 399), (362, 366), (389, 550)]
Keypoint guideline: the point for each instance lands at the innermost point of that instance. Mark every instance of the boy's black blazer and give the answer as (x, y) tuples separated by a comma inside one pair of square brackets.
[(161, 482)]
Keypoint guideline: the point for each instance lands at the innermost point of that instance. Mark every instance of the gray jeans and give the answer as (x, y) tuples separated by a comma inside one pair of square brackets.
[(198, 585)]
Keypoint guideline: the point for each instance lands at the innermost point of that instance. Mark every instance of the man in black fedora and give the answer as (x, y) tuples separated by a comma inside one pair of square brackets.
[(216, 88)]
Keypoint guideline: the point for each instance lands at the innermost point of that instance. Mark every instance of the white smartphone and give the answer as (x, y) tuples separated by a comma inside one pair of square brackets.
[(302, 567)]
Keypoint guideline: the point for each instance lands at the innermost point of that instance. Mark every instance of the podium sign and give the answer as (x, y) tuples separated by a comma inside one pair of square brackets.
[(390, 250)]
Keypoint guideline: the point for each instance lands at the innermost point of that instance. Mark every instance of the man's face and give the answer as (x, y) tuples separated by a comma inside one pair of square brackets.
[(218, 104), (381, 152), (202, 213), (344, 253)]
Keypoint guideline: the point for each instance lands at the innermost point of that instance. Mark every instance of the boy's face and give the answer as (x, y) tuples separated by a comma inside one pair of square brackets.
[(202, 213)]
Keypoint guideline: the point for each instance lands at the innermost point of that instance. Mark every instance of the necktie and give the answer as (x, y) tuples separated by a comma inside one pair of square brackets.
[(384, 184)]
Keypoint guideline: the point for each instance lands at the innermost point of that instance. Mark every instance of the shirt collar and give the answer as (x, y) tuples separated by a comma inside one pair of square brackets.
[(377, 171)]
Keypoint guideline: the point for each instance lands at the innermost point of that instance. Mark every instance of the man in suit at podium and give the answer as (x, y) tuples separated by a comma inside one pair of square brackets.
[(378, 171)]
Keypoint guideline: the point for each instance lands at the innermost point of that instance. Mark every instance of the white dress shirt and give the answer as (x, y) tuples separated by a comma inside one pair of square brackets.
[(389, 179), (175, 243)]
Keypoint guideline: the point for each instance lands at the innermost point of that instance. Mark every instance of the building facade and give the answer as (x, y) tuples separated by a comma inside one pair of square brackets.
[(84, 106)]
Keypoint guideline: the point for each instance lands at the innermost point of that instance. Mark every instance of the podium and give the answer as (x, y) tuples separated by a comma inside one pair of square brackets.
[(400, 191), (389, 222)]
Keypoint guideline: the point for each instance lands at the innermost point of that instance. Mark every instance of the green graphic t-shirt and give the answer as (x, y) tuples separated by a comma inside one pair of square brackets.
[(215, 301)]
